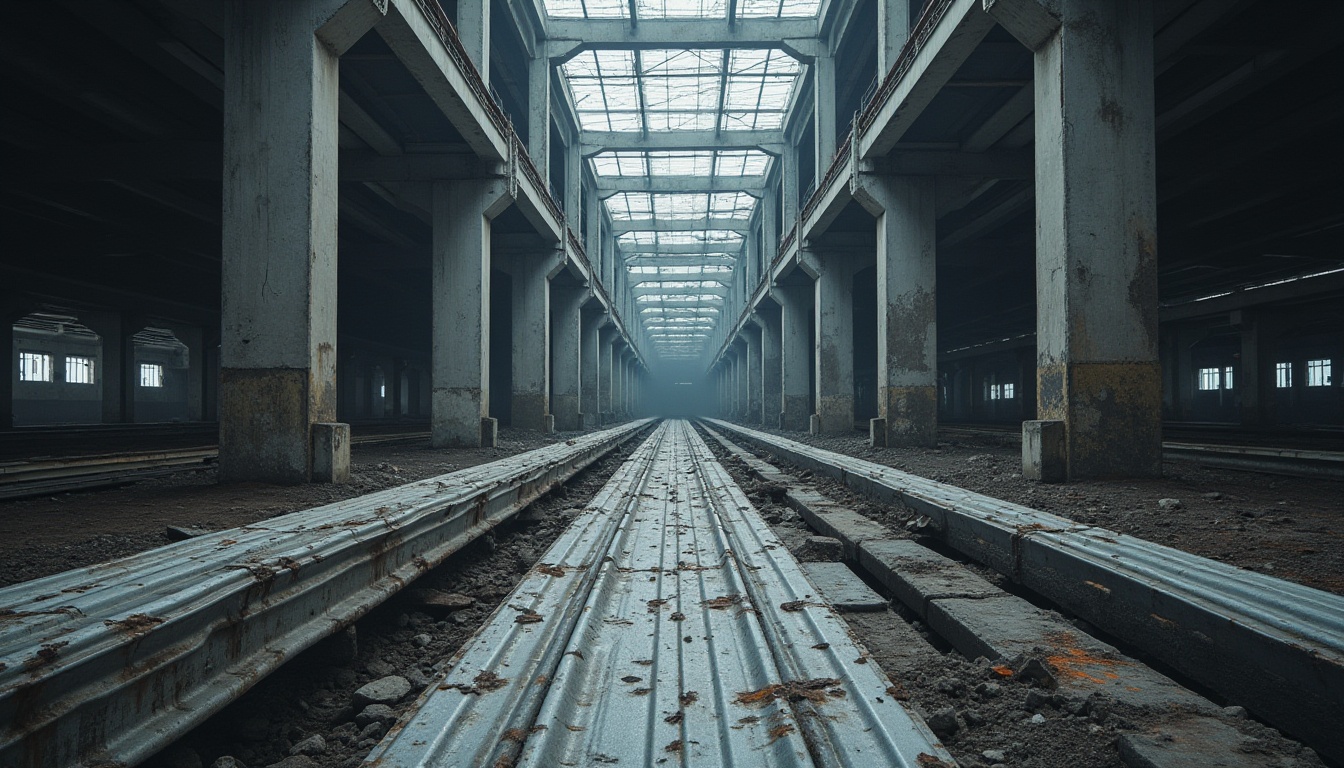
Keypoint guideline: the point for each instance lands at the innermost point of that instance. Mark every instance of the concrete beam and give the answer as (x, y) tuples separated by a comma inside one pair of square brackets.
[(568, 37), (700, 248), (1027, 20), (608, 186), (680, 261), (594, 142), (1004, 164), (680, 225)]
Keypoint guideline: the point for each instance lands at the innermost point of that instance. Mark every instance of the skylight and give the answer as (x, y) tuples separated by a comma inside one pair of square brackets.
[(726, 239), (737, 163), (627, 206), (669, 9), (675, 90)]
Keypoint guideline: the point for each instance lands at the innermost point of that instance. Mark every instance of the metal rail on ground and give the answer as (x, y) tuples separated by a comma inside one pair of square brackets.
[(1271, 645), (667, 625), (107, 664)]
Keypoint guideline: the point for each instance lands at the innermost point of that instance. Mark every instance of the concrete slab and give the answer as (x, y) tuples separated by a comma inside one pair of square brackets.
[(917, 574), (842, 588), (1007, 627), (831, 519), (1196, 742)]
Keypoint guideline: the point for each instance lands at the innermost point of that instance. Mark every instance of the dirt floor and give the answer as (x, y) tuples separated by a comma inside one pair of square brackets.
[(42, 536), (1289, 527)]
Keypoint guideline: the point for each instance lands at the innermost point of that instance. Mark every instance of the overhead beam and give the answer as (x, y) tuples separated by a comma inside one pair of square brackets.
[(680, 225), (610, 185), (569, 37), (593, 142), (694, 248), (1003, 164), (640, 290), (681, 261), (636, 279)]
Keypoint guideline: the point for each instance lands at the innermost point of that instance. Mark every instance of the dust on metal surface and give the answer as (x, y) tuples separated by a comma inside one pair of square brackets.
[(148, 646), (675, 628)]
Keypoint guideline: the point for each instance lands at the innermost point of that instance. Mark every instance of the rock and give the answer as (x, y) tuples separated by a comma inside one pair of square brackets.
[(373, 731), (1037, 719), (820, 549), (1037, 672), (950, 686), (994, 756), (1036, 699), (313, 745), (385, 690), (182, 532), (228, 761), (1214, 496), (376, 713), (944, 723), (988, 690), (1169, 504), (421, 640), (418, 680), (1237, 712), (295, 761), (973, 718), (379, 668), (442, 601)]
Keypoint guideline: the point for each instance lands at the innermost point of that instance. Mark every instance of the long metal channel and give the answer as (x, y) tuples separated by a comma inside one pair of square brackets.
[(107, 664), (681, 634), (1271, 645)]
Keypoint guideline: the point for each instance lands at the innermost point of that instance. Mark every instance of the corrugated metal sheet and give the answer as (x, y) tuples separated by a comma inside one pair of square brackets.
[(111, 662), (676, 630)]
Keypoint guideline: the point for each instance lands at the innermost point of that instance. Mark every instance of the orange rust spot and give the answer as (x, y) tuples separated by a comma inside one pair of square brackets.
[(551, 570), (817, 690), (780, 731), (1002, 670), (1077, 663)]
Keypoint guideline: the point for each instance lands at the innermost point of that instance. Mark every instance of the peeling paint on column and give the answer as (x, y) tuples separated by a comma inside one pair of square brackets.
[(911, 414)]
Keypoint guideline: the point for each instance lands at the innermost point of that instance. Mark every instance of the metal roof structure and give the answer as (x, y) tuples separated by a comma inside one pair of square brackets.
[(671, 204)]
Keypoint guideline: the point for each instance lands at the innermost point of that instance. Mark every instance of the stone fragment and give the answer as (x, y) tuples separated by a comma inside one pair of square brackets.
[(994, 756), (227, 761), (820, 549), (385, 690), (376, 713), (313, 745), (944, 723), (1170, 504), (295, 761)]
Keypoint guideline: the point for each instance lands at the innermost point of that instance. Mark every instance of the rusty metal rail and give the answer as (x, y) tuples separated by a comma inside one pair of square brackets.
[(107, 664), (668, 625), (1271, 645)]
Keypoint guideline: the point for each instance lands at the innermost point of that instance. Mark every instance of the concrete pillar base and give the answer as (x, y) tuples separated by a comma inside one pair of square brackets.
[(814, 424), (529, 411), (1043, 455), (272, 444), (795, 416), (331, 453), (566, 415), (489, 432), (834, 416), (548, 424), (1111, 412), (877, 433), (912, 415)]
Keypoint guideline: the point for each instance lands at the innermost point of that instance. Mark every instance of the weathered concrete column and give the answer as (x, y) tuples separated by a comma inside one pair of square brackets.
[(893, 29), (618, 379), (460, 370), (795, 355), (823, 101), (771, 401), (1096, 239), (604, 376), (539, 111), (567, 355), (743, 380), (10, 313), (278, 303), (907, 351), (833, 310), (788, 179), (531, 358), (473, 29), (755, 382), (590, 368)]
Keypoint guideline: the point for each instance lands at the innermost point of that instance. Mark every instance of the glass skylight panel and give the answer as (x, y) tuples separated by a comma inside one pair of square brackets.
[(682, 9), (740, 162), (680, 163), (682, 270), (587, 9), (731, 205), (716, 238), (669, 284), (780, 9)]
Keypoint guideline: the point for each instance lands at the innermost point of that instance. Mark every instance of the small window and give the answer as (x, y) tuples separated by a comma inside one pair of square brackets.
[(1283, 375), (78, 370), (34, 366), (1227, 377), (151, 375), (1008, 393), (1318, 373), (1209, 378)]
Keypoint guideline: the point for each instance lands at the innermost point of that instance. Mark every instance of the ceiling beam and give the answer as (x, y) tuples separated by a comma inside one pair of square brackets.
[(610, 185), (680, 225), (681, 261), (593, 142), (569, 37), (693, 248)]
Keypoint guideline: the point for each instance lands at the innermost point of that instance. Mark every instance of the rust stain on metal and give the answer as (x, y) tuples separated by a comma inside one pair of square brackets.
[(675, 746), (47, 654), (1077, 663), (780, 731), (675, 718), (528, 617), (722, 603), (816, 690), (485, 682), (688, 698), (135, 624), (551, 570), (656, 604)]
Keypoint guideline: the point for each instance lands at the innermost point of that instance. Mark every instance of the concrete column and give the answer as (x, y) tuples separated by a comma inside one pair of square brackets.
[(769, 231), (788, 175), (823, 102), (473, 29), (539, 111), (617, 380), (567, 355), (108, 327), (795, 355), (833, 310), (531, 358), (755, 395), (460, 370), (743, 381), (10, 378), (1096, 239), (893, 28), (590, 367), (604, 375), (771, 402), (573, 190), (907, 351), (278, 304)]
